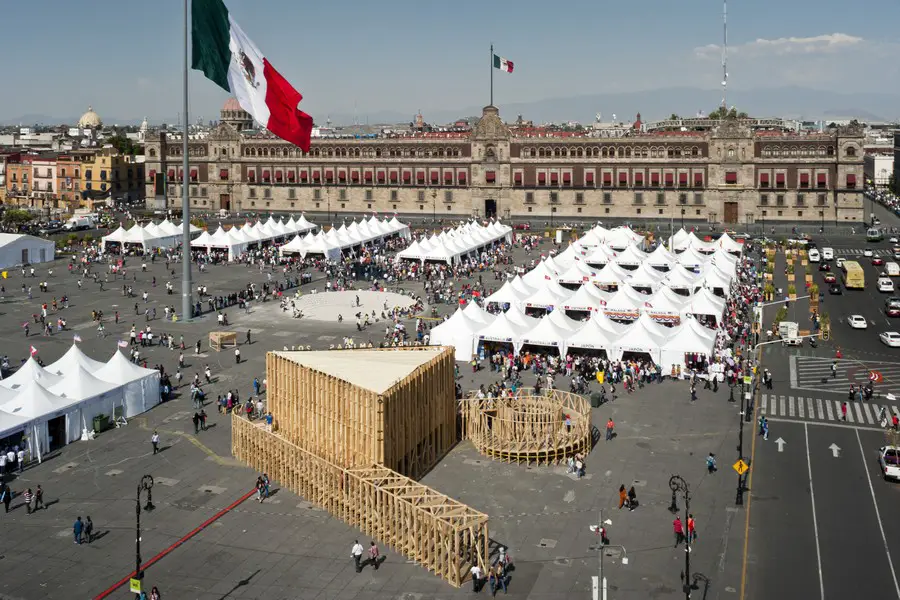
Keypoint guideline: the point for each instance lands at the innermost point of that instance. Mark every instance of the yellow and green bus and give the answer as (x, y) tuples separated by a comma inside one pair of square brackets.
[(853, 276)]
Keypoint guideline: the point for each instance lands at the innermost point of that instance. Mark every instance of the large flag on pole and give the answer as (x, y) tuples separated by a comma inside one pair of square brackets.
[(503, 64), (222, 51)]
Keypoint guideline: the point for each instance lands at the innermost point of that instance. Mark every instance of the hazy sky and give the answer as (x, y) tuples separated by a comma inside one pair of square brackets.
[(125, 58)]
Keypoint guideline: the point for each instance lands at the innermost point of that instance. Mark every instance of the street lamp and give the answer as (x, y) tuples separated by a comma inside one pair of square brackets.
[(678, 484), (682, 218), (433, 207), (601, 547), (145, 484)]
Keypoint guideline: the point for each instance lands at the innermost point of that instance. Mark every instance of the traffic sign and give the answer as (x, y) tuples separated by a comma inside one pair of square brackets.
[(135, 585), (740, 466), (876, 377), (747, 379)]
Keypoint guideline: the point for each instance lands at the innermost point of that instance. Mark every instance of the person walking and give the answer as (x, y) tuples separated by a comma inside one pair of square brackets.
[(691, 530), (196, 421), (356, 554), (77, 528), (154, 594), (154, 439), (844, 411), (693, 393), (373, 554), (632, 499), (711, 463), (610, 426), (623, 496), (834, 370), (256, 386), (39, 498), (28, 497), (477, 575), (6, 496), (88, 530), (678, 530), (237, 356), (247, 341)]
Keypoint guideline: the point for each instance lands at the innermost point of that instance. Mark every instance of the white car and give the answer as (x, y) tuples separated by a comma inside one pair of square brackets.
[(892, 239), (857, 322), (867, 252), (839, 262), (827, 253), (885, 285), (890, 338)]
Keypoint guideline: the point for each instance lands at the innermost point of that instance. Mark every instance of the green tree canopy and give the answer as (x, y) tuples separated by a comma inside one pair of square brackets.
[(15, 217), (123, 144)]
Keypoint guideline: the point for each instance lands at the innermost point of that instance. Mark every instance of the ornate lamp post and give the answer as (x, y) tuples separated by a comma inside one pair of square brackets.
[(146, 484), (678, 485)]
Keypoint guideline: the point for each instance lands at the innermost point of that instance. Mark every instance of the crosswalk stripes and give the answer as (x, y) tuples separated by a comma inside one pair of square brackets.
[(859, 252), (813, 374), (817, 409)]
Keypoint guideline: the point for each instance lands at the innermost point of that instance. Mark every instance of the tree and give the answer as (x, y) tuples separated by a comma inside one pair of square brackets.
[(123, 144), (674, 117), (15, 217), (716, 114)]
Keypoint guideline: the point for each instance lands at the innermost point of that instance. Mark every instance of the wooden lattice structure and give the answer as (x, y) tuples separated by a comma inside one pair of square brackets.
[(345, 423), (544, 429), (390, 407), (218, 340), (443, 535)]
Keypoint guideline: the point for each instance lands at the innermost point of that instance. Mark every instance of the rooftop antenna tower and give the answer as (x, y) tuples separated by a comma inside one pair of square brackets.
[(724, 55)]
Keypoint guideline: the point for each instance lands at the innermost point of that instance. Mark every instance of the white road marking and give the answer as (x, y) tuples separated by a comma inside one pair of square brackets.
[(812, 497), (850, 413), (887, 550), (865, 409), (763, 406), (830, 412), (793, 366), (781, 402), (859, 416), (819, 411), (801, 408), (791, 406)]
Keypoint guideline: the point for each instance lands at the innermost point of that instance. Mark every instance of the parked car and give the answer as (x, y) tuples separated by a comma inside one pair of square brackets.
[(889, 462), (836, 290), (824, 266), (830, 278), (885, 285)]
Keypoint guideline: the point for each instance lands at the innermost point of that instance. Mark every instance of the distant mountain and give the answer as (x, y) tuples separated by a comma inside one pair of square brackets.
[(788, 102)]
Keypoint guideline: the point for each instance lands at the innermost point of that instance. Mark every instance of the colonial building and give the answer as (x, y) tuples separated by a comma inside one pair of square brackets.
[(730, 171)]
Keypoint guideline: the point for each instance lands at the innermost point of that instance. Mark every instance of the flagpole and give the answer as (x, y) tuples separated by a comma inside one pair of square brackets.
[(186, 304), (492, 75)]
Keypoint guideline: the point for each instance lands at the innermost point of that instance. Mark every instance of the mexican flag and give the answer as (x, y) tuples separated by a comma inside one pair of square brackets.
[(226, 56), (503, 64)]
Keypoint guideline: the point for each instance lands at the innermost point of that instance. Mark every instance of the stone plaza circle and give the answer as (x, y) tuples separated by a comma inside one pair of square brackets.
[(327, 306)]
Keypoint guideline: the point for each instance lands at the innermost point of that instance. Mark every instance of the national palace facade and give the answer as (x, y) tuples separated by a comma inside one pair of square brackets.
[(730, 172)]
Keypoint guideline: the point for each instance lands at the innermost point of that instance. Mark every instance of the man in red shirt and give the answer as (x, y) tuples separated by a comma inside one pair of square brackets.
[(609, 429), (678, 529)]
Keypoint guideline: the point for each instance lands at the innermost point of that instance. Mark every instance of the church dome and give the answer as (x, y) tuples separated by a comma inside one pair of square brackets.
[(231, 104), (90, 120)]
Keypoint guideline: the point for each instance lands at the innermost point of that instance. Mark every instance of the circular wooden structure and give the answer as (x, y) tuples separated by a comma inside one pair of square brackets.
[(544, 429)]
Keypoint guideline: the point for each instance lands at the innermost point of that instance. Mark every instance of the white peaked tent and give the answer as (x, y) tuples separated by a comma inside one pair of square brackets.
[(692, 258), (679, 278), (563, 321), (294, 246), (660, 257), (728, 244), (626, 303), (458, 331), (520, 286), (413, 252), (547, 333), (548, 295), (505, 295), (574, 252), (201, 241), (11, 424), (704, 302), (579, 272), (140, 385), (28, 372), (503, 329), (72, 360), (611, 274), (117, 236), (692, 241), (666, 306), (623, 237), (677, 241), (586, 298), (35, 403), (631, 256), (536, 277), (478, 314), (646, 276), (600, 255), (90, 395), (688, 337), (645, 336), (713, 279), (592, 337)]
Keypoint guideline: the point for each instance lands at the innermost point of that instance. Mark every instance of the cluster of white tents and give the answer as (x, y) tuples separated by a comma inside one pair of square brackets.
[(636, 302), (451, 245), (237, 239), (335, 241), (52, 406), (162, 235)]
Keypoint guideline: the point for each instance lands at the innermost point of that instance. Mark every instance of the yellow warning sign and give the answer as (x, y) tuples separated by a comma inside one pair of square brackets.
[(741, 467), (135, 586)]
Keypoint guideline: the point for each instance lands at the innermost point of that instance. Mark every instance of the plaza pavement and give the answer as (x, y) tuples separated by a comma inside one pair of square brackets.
[(288, 548)]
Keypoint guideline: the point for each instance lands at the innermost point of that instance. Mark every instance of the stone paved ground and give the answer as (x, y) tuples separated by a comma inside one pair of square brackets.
[(286, 547)]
